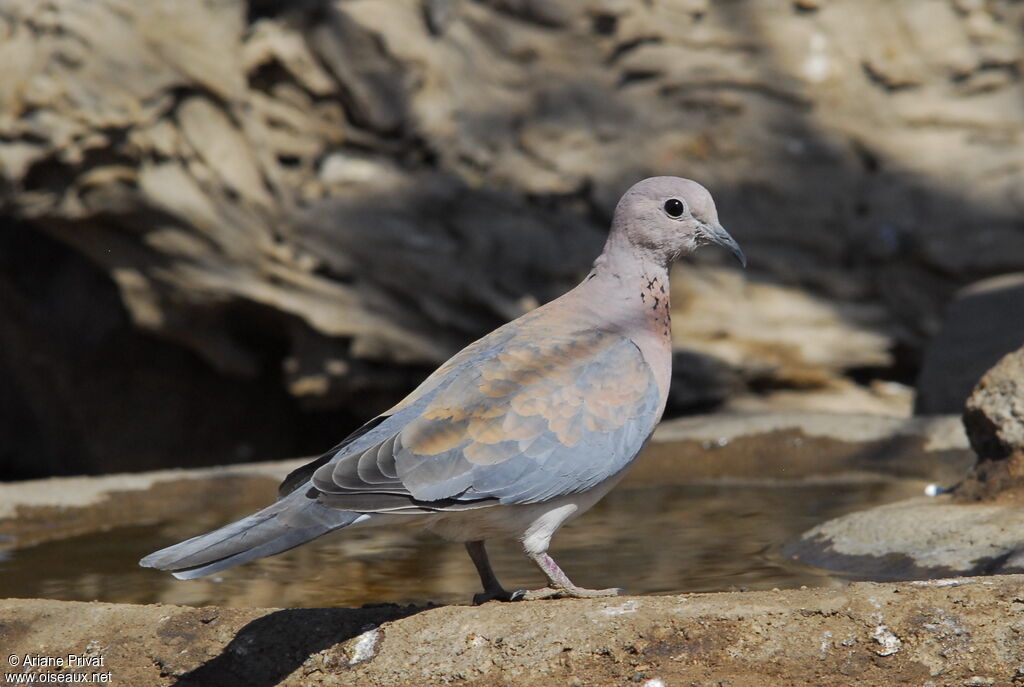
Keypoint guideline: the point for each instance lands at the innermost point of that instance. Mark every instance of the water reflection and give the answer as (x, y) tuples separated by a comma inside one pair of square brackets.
[(667, 539)]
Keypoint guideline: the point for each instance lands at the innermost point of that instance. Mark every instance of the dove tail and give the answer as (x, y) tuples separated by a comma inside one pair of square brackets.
[(292, 521)]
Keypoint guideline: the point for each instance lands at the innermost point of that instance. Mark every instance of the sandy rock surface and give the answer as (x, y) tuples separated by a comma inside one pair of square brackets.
[(994, 415), (951, 632), (994, 421), (918, 538), (975, 529)]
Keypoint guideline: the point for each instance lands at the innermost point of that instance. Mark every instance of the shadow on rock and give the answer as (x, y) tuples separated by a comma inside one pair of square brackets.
[(268, 649)]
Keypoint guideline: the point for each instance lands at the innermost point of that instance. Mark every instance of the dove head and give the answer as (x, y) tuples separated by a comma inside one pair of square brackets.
[(668, 217)]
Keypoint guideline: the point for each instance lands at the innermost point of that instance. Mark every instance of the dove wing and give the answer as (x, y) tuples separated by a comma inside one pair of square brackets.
[(521, 419)]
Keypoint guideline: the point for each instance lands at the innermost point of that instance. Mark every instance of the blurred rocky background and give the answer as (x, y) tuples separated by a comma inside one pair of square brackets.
[(233, 230)]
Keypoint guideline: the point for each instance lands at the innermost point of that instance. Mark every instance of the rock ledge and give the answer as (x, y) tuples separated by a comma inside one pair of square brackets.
[(954, 631)]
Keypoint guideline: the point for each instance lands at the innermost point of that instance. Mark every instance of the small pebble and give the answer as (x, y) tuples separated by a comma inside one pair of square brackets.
[(979, 681)]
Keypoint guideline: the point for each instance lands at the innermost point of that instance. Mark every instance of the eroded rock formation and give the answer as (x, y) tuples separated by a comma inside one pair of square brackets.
[(322, 200)]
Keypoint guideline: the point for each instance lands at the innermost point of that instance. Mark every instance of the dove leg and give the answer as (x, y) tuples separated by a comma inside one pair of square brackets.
[(492, 588), (560, 584)]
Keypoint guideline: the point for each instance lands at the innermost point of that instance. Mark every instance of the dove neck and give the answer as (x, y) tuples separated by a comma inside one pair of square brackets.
[(623, 264), (628, 288)]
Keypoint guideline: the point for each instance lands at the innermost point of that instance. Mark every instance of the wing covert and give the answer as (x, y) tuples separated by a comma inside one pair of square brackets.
[(537, 417)]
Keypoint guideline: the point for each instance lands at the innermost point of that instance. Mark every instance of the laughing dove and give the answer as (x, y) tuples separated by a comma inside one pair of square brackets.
[(520, 431)]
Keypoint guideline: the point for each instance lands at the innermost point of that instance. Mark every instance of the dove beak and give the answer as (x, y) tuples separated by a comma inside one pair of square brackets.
[(719, 236)]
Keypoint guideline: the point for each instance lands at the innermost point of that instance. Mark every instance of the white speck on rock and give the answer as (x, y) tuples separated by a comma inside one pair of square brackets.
[(654, 682), (890, 642), (826, 642), (950, 582), (361, 648), (628, 607), (345, 169), (817, 66)]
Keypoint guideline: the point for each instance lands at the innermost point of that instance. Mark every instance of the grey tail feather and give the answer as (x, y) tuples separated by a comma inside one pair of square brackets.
[(291, 521)]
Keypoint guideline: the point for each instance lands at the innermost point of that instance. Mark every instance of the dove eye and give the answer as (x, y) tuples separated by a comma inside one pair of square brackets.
[(675, 207)]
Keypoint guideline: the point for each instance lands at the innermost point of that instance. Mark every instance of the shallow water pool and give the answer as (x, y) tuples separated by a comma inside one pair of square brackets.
[(649, 540)]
